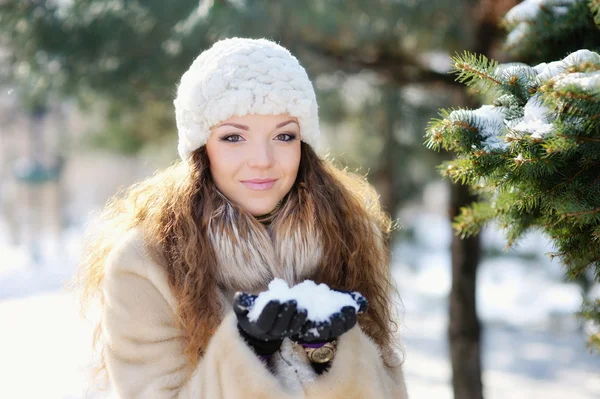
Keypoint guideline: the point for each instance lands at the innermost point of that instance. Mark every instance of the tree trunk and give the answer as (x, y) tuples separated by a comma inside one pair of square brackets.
[(385, 177), (464, 329)]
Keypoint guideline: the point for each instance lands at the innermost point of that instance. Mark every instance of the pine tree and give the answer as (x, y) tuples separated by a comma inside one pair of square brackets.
[(533, 153)]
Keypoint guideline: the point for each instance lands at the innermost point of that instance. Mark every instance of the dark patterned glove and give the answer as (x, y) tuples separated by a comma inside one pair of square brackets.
[(276, 321), (337, 324), (360, 300)]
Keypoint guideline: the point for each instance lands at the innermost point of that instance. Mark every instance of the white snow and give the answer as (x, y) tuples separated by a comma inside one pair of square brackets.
[(528, 10), (492, 119), (582, 55), (537, 128), (535, 119), (46, 348), (546, 71), (525, 11), (535, 110), (318, 300), (489, 120), (313, 331), (511, 69), (585, 80), (517, 34)]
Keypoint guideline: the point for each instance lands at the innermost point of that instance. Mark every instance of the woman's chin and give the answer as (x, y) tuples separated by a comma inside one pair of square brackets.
[(259, 210), (259, 213)]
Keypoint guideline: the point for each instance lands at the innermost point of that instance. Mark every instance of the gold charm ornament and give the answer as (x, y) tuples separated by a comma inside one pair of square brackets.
[(322, 354)]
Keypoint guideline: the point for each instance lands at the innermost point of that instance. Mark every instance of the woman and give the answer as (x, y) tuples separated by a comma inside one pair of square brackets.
[(250, 202)]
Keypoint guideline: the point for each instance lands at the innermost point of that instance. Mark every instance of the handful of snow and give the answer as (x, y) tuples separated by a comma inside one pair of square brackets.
[(319, 301)]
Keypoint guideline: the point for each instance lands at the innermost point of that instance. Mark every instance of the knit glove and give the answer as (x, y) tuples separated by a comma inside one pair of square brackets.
[(276, 321), (337, 324)]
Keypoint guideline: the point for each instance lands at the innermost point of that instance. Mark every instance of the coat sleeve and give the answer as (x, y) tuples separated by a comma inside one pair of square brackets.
[(143, 345)]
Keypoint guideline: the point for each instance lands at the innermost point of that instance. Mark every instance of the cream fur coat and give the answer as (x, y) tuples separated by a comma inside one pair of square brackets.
[(143, 343)]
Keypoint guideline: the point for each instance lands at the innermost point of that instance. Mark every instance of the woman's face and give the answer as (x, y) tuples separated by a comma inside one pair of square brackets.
[(254, 159)]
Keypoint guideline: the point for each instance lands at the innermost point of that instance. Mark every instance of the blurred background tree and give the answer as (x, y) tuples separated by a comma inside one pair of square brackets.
[(125, 58)]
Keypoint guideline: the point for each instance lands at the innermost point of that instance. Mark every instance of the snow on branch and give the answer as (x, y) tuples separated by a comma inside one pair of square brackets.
[(528, 10)]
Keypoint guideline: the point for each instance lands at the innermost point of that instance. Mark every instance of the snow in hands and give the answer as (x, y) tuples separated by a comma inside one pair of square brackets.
[(319, 301)]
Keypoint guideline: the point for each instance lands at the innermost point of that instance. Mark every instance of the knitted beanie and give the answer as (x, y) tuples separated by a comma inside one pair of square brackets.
[(237, 77)]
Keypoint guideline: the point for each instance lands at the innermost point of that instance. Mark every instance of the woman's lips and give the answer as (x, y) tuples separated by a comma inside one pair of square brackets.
[(259, 185)]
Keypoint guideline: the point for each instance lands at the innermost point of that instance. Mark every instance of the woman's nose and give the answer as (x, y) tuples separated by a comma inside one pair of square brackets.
[(261, 156)]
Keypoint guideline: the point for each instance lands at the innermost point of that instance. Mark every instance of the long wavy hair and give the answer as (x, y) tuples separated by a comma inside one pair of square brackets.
[(173, 208)]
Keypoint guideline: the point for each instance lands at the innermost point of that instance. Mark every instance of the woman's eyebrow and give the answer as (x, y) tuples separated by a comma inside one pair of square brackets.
[(243, 127), (282, 124)]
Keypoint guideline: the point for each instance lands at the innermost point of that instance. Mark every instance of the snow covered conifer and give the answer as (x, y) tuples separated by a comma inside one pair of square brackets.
[(533, 153), (543, 30)]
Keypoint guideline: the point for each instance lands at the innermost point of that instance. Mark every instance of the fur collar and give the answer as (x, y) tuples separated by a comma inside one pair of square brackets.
[(251, 254)]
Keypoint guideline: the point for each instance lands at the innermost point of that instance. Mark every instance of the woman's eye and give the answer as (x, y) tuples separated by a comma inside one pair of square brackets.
[(286, 136), (232, 138)]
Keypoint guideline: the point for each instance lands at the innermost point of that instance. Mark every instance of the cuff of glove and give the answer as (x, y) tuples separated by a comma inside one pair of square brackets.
[(312, 344), (262, 348)]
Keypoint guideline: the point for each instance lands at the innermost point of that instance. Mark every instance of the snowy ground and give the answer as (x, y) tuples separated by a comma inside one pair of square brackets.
[(532, 348)]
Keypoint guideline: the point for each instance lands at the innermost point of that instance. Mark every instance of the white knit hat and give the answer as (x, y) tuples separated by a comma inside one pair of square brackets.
[(240, 77)]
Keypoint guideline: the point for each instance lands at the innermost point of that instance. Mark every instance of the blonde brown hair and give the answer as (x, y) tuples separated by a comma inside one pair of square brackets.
[(173, 209)]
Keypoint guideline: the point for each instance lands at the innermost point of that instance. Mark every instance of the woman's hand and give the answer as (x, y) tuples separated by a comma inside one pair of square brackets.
[(336, 325), (276, 321)]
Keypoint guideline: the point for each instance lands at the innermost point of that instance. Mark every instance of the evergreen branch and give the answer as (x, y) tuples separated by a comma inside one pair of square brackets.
[(451, 133), (482, 75), (556, 187), (570, 214), (596, 180), (570, 95), (585, 66), (572, 177), (579, 138), (472, 69), (594, 6), (473, 218), (462, 124)]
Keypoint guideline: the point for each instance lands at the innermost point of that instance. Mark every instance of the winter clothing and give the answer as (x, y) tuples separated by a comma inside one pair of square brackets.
[(276, 321), (263, 348), (319, 331), (240, 77), (144, 342), (282, 319), (143, 338)]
